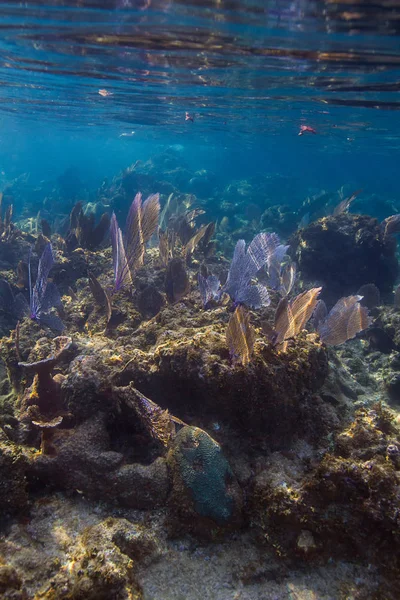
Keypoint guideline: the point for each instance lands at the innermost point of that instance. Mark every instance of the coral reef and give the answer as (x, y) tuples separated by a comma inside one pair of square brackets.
[(195, 404), (191, 374)]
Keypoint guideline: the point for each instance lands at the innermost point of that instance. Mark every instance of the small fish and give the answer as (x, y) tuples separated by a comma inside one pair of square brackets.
[(189, 117), (105, 93), (127, 134), (306, 129)]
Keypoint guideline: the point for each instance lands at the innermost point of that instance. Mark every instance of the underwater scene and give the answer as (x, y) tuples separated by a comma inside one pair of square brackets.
[(199, 300)]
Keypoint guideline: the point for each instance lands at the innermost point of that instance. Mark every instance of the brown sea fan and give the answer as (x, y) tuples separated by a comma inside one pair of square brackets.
[(194, 240), (177, 283), (240, 336), (344, 321), (164, 246), (141, 223), (150, 216), (288, 278), (344, 205), (291, 317)]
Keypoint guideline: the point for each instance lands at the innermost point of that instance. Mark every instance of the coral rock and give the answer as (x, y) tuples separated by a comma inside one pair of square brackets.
[(348, 499), (13, 465), (98, 569), (193, 374), (82, 460), (10, 583), (345, 252)]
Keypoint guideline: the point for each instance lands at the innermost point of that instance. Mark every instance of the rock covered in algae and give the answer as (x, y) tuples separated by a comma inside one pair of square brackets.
[(13, 484), (344, 252), (10, 583), (82, 460), (345, 501), (85, 390), (99, 569), (150, 301), (206, 496), (191, 372)]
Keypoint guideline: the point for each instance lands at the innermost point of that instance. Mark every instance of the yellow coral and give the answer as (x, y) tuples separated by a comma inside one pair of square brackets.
[(115, 359)]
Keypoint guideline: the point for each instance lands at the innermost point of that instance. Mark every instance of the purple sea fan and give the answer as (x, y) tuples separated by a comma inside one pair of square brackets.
[(43, 295), (245, 265), (344, 321), (122, 272), (274, 266), (141, 223)]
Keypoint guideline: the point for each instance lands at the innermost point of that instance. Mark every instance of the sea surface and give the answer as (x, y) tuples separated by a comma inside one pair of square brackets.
[(250, 73)]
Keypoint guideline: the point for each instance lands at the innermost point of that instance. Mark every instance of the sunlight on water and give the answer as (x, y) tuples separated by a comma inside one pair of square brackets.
[(243, 67)]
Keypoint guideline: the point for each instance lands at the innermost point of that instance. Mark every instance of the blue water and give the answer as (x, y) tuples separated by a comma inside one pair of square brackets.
[(250, 73)]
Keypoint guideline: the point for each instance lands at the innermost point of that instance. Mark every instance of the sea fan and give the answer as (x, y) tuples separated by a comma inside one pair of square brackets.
[(195, 239), (291, 317), (281, 271), (371, 296), (287, 278), (141, 223), (122, 272), (320, 313), (83, 230), (274, 266), (209, 288), (245, 265), (344, 205), (177, 283), (344, 321), (100, 296), (240, 336), (43, 295)]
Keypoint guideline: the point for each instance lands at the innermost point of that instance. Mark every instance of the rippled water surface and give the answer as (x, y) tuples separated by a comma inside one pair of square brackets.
[(246, 67)]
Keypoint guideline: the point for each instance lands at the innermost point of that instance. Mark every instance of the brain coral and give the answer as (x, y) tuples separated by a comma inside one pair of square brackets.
[(204, 485)]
